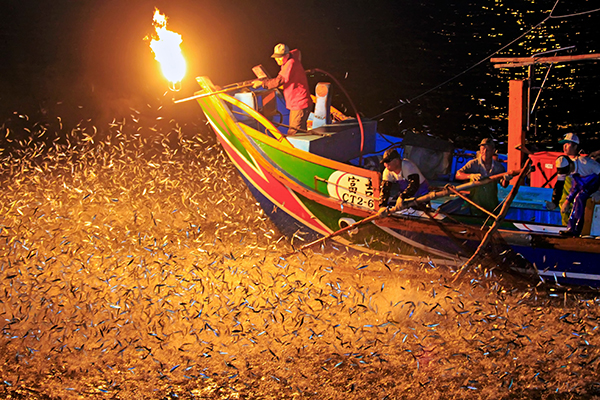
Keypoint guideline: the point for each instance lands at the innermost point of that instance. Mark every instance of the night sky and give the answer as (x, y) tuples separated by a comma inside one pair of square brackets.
[(66, 49), (90, 56)]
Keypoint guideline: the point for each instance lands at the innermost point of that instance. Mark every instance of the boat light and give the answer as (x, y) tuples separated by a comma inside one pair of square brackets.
[(165, 46)]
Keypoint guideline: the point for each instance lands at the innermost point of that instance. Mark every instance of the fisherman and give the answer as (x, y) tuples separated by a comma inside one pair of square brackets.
[(483, 166), (295, 86), (585, 180), (570, 143), (406, 174)]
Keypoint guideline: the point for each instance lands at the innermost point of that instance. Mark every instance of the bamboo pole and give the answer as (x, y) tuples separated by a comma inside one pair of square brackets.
[(509, 62), (199, 96), (499, 219), (449, 189), (408, 202), (338, 232)]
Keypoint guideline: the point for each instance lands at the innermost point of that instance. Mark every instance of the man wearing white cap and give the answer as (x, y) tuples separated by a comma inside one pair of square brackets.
[(481, 167), (562, 187), (585, 176), (295, 86)]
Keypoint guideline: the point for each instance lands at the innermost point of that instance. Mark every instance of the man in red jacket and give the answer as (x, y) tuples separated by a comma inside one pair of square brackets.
[(295, 86)]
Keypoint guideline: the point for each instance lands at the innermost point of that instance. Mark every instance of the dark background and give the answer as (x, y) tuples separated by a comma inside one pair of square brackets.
[(87, 59)]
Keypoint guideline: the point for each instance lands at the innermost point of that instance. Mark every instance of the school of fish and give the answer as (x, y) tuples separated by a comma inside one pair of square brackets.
[(134, 263)]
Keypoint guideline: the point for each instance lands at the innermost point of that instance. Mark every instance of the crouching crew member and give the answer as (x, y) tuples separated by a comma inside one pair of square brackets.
[(403, 172)]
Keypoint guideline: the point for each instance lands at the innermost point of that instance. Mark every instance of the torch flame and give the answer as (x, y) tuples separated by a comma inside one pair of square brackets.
[(165, 45)]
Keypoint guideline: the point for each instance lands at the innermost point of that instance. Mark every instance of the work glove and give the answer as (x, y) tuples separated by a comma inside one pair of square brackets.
[(256, 84)]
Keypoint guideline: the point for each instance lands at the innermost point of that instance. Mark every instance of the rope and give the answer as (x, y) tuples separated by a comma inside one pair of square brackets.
[(487, 57)]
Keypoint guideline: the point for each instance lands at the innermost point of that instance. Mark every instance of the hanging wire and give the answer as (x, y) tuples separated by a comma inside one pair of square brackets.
[(485, 59), (461, 73), (574, 14)]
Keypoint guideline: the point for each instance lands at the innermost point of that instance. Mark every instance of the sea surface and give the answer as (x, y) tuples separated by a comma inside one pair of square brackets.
[(135, 264)]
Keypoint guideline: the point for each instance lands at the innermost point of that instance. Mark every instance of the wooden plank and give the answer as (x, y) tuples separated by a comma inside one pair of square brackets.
[(511, 62)]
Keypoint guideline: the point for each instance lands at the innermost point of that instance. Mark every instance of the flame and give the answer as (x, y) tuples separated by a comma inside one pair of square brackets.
[(165, 45)]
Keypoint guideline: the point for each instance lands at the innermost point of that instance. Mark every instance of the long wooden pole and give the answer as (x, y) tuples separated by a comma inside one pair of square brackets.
[(409, 202), (509, 62), (338, 232), (499, 219), (199, 96), (448, 190)]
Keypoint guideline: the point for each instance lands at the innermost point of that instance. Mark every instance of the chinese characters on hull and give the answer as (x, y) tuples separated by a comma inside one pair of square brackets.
[(352, 189)]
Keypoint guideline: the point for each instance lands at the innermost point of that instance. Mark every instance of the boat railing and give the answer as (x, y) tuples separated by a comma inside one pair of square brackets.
[(210, 94), (269, 126)]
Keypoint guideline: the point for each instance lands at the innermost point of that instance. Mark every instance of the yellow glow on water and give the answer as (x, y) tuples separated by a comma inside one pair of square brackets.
[(166, 47)]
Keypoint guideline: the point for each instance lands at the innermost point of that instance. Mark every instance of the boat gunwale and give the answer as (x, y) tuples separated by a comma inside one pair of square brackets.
[(245, 134)]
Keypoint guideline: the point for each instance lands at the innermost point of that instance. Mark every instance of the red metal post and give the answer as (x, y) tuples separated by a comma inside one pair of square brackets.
[(516, 123)]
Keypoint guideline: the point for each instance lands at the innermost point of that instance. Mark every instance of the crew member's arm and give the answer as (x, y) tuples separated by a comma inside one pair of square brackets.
[(594, 154), (499, 168), (280, 79), (467, 172), (386, 187), (270, 83), (413, 176), (557, 192), (575, 189), (414, 182), (384, 192)]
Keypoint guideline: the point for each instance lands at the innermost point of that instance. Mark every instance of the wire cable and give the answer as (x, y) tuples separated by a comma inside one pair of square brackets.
[(574, 14), (479, 62)]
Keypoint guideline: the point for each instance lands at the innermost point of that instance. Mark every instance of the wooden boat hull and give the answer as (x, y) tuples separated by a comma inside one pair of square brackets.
[(571, 261), (308, 196)]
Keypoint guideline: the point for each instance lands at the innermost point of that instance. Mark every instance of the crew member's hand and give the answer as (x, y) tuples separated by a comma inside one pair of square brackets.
[(383, 212), (399, 205), (475, 177), (550, 206), (565, 207), (256, 83), (594, 154)]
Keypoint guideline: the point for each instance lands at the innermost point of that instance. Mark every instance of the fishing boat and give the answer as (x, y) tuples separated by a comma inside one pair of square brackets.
[(325, 183)]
